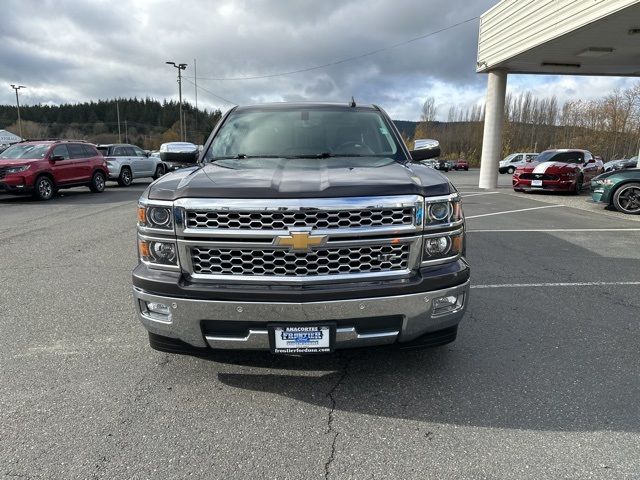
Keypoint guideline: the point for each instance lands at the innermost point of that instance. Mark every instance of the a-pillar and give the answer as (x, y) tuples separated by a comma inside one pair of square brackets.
[(493, 121)]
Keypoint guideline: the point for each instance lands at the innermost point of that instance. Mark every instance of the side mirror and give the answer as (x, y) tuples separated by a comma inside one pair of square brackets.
[(425, 149), (592, 160), (57, 158)]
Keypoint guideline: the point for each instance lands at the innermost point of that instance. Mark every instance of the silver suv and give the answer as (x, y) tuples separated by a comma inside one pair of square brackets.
[(126, 162)]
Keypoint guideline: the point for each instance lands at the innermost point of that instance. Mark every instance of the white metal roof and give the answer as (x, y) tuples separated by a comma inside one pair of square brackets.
[(576, 37)]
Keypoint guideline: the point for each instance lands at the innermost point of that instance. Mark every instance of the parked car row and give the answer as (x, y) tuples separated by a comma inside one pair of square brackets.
[(572, 170), (41, 168)]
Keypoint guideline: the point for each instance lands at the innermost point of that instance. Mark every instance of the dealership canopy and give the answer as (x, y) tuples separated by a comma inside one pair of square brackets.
[(7, 138), (559, 37)]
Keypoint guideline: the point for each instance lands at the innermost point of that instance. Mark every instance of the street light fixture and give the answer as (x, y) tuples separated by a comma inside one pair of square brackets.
[(180, 67), (16, 88)]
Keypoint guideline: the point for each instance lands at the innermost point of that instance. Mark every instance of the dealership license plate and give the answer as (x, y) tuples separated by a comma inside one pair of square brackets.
[(302, 338), (536, 183)]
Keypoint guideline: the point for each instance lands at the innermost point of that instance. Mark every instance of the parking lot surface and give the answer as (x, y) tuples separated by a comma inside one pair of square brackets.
[(542, 382)]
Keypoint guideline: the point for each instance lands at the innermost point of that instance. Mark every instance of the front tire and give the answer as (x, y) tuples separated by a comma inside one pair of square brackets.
[(578, 188), (44, 189), (159, 172), (510, 170), (626, 198), (125, 178), (97, 182)]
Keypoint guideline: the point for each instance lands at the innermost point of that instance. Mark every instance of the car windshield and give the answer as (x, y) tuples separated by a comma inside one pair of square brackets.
[(28, 151), (563, 157), (303, 133)]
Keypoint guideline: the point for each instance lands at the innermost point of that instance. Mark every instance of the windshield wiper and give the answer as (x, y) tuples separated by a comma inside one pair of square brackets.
[(242, 156)]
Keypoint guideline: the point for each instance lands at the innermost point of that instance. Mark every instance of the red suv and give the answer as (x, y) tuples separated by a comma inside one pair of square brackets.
[(41, 168)]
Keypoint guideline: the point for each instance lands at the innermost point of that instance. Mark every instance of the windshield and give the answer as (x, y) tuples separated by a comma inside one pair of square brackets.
[(29, 151), (303, 133), (563, 157), (508, 158)]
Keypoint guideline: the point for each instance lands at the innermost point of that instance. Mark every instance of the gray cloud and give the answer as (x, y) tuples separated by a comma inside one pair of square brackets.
[(86, 50)]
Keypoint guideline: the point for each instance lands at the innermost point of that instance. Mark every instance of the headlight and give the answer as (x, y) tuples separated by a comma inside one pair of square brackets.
[(603, 181), (156, 252), (445, 245), (152, 216), (19, 169), (442, 211)]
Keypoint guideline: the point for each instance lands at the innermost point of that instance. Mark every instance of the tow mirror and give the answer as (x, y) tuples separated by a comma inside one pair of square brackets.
[(425, 149)]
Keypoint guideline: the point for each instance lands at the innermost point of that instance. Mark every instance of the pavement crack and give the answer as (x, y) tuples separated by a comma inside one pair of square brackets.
[(331, 417)]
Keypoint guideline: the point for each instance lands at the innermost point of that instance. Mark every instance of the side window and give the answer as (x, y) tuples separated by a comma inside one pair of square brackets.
[(76, 150), (139, 152), (119, 152), (60, 151), (531, 158), (130, 152), (517, 158), (89, 151)]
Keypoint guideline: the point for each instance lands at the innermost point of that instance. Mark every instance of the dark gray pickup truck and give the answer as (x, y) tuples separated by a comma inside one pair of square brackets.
[(303, 228)]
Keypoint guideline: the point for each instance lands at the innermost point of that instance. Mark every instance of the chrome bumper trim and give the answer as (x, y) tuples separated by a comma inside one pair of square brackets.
[(184, 322)]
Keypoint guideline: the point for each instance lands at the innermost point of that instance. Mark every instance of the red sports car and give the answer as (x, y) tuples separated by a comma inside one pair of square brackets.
[(567, 170)]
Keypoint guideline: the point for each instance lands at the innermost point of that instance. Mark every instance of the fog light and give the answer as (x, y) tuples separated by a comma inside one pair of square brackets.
[(159, 308), (446, 304)]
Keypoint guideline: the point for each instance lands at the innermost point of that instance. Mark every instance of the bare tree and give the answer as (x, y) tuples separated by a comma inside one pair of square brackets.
[(429, 110)]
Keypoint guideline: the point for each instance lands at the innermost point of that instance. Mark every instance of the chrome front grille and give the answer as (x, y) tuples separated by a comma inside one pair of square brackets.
[(285, 263), (299, 240), (304, 218)]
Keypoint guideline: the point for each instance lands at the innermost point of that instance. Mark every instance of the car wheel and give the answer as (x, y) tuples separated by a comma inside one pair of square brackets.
[(44, 188), (125, 178), (510, 170), (466, 169), (159, 172), (578, 188), (626, 199), (97, 182)]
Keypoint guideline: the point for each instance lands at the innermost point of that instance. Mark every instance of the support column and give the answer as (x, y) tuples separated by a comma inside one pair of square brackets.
[(493, 121)]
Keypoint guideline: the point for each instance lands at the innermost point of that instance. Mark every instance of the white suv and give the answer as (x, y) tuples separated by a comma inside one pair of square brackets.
[(513, 161)]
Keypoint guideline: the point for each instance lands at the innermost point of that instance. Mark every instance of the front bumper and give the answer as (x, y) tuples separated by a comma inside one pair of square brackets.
[(360, 322), (547, 185)]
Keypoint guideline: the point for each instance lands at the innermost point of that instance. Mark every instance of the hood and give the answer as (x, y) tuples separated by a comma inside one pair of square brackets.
[(15, 162), (549, 167), (300, 178)]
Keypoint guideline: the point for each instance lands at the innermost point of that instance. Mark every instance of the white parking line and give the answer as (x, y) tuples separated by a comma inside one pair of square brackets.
[(473, 194), (512, 211), (557, 284), (548, 230)]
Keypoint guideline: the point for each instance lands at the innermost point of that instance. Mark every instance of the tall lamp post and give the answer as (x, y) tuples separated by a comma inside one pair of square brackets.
[(16, 88), (180, 67)]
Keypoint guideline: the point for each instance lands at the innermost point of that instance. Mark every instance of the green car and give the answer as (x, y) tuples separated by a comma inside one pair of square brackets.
[(620, 188)]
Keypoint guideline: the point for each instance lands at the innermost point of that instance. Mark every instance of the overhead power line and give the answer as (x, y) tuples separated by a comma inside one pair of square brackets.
[(344, 60), (199, 87)]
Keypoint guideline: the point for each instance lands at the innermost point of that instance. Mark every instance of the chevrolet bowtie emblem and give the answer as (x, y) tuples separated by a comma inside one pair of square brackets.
[(300, 241)]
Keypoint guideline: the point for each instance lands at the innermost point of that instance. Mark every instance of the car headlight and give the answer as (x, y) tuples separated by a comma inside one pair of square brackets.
[(156, 252), (155, 216), (603, 181), (442, 211), (19, 169), (440, 246)]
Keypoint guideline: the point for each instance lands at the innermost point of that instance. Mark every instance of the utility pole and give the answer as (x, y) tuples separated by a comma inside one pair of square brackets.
[(18, 105), (195, 81), (118, 112), (126, 132), (180, 67)]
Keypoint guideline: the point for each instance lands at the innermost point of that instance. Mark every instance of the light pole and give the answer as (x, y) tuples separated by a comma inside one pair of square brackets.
[(18, 105), (180, 67)]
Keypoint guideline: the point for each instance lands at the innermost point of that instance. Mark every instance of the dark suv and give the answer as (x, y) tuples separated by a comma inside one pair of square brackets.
[(41, 168)]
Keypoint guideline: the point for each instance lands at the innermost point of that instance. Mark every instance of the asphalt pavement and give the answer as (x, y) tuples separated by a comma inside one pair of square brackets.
[(542, 383)]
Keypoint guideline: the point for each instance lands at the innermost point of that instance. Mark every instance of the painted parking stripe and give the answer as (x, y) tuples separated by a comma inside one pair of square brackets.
[(474, 194), (512, 211), (557, 284), (551, 230)]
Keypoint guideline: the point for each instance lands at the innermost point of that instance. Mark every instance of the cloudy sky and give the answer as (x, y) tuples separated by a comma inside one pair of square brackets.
[(74, 51)]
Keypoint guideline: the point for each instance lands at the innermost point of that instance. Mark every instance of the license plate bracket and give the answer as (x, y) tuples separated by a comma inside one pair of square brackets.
[(536, 183), (302, 338)]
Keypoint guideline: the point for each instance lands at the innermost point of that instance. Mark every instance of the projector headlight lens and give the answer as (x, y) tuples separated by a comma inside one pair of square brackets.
[(440, 212)]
